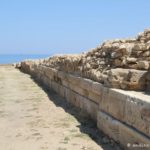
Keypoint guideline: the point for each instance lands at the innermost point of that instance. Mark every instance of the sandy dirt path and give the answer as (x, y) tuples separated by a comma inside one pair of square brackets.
[(31, 119)]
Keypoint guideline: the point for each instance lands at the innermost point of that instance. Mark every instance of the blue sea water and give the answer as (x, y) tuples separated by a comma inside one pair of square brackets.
[(11, 58)]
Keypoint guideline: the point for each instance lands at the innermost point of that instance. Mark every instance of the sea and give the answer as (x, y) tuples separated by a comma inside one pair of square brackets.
[(14, 58)]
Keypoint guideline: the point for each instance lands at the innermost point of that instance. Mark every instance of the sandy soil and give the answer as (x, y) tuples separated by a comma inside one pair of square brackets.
[(31, 119)]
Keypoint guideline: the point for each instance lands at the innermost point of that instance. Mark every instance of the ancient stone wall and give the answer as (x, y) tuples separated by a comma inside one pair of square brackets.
[(94, 81), (122, 64)]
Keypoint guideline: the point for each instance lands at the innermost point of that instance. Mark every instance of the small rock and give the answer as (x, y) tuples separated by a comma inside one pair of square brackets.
[(102, 63), (139, 47), (143, 65), (117, 148), (146, 54), (112, 143), (116, 55), (88, 58), (105, 140), (131, 60), (118, 62), (88, 66), (103, 54)]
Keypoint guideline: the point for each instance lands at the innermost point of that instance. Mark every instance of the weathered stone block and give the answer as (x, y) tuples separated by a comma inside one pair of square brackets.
[(62, 91), (129, 79), (54, 86), (122, 133), (50, 72), (143, 65), (62, 75), (108, 125), (73, 79), (90, 107), (131, 138), (45, 81), (86, 83), (132, 108), (65, 83), (78, 90), (113, 103), (137, 113), (94, 97), (73, 97), (97, 88), (67, 94)]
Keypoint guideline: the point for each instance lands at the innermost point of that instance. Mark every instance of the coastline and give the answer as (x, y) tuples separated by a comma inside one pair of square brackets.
[(6, 64), (16, 58)]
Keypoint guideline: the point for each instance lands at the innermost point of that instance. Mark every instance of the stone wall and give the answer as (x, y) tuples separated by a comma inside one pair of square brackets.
[(122, 115), (122, 64), (94, 81)]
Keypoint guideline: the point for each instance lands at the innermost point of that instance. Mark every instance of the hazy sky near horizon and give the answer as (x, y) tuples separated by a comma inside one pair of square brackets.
[(65, 26)]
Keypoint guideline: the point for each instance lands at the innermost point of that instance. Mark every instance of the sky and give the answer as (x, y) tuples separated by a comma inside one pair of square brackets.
[(68, 26)]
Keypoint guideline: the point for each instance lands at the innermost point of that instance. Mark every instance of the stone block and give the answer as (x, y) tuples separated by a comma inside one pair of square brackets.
[(137, 114), (75, 84), (128, 79), (79, 90), (62, 75), (65, 83), (108, 125), (54, 86), (94, 97), (45, 81), (62, 91), (113, 103), (50, 72), (85, 83), (125, 135), (97, 88), (72, 79), (88, 106), (133, 108), (72, 97)]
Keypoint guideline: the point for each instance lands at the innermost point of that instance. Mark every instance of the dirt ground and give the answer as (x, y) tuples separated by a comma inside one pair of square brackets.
[(31, 119)]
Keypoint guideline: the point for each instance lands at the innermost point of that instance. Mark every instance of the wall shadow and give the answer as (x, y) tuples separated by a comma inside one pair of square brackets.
[(87, 125)]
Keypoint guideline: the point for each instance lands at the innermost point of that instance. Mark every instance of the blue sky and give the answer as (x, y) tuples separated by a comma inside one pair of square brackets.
[(68, 26)]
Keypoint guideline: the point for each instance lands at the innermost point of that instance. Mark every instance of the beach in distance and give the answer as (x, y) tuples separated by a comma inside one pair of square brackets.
[(14, 58)]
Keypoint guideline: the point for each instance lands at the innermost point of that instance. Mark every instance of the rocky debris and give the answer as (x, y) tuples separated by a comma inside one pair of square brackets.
[(128, 79), (17, 65), (67, 63), (105, 140), (143, 65), (115, 63)]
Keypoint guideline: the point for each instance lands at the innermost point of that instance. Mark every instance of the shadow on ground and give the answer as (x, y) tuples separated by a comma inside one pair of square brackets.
[(87, 125)]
